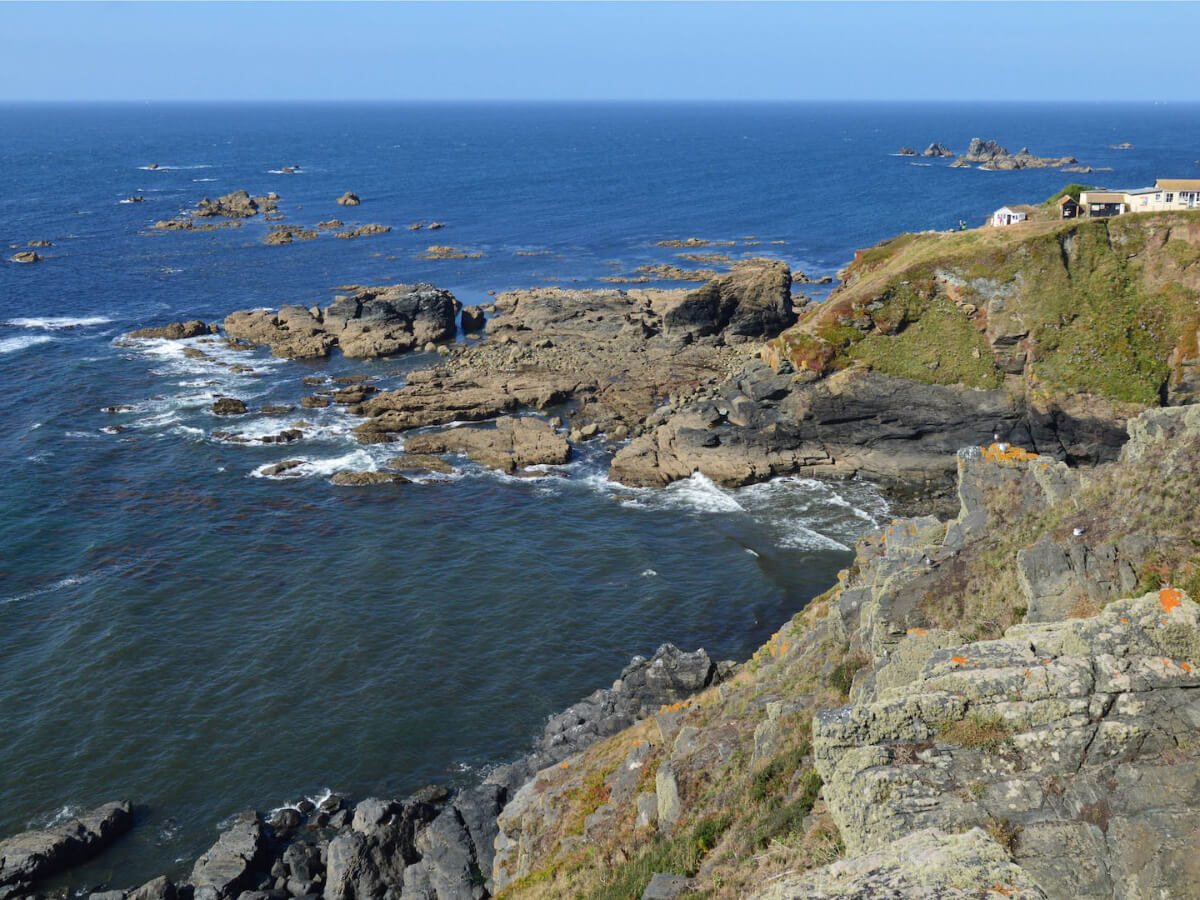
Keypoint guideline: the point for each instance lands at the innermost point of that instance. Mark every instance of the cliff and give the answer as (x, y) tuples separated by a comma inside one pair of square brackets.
[(1003, 701), (1051, 335)]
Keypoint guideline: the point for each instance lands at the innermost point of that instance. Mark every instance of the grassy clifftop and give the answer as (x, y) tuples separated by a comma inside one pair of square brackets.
[(1107, 307)]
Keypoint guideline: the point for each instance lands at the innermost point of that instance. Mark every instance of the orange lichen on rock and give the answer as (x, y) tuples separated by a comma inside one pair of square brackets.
[(1007, 453), (959, 660), (1186, 667), (919, 632), (1169, 598)]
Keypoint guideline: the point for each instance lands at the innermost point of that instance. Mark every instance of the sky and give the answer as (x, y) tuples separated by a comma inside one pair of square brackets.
[(556, 51)]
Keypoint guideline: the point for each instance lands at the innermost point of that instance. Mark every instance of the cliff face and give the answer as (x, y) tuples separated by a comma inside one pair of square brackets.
[(1051, 335), (1006, 698)]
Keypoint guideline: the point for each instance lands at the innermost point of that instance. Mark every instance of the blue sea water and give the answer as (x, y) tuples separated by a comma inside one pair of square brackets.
[(177, 629)]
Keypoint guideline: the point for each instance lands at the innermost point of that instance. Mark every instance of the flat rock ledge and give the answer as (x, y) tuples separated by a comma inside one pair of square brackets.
[(33, 855)]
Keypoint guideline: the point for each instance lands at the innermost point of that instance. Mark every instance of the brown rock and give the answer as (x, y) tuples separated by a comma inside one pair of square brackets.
[(348, 199), (360, 479), (26, 256), (229, 406), (175, 331), (513, 443)]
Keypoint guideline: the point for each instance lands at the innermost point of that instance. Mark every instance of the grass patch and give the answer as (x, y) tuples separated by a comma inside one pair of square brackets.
[(784, 817), (980, 731), (681, 855), (842, 677)]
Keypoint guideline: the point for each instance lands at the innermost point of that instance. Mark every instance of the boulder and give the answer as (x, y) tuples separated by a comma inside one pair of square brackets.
[(175, 331), (33, 855), (348, 199), (935, 149), (229, 865), (160, 888), (26, 256), (473, 318), (229, 406), (754, 301)]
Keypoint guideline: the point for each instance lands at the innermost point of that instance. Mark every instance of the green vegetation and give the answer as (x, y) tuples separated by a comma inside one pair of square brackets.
[(681, 855), (977, 731), (842, 677), (1072, 190), (1096, 306)]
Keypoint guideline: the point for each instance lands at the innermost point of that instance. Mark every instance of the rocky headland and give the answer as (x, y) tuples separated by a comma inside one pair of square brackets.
[(990, 155)]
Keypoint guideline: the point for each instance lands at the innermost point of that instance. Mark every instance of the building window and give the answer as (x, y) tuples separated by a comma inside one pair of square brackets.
[(1170, 197)]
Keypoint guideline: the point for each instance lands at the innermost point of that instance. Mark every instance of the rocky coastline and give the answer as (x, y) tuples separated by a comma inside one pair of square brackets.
[(915, 682)]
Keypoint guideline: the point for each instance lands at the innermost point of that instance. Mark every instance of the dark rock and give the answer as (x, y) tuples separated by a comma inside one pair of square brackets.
[(753, 301), (286, 820), (283, 468), (473, 318), (361, 479), (175, 331), (32, 855), (228, 406)]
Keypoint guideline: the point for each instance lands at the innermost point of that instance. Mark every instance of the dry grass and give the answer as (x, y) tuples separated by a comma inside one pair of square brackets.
[(978, 731)]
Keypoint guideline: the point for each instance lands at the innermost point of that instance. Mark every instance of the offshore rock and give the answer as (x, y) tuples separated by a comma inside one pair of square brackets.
[(175, 331), (33, 855)]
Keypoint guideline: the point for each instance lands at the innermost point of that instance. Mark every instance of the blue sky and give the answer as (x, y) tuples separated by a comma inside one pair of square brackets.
[(596, 51)]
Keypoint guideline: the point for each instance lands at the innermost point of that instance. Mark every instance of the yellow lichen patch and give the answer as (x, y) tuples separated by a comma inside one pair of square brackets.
[(1007, 453), (1169, 598)]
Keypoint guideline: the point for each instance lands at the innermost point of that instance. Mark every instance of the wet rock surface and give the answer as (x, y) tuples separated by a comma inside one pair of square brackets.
[(33, 855)]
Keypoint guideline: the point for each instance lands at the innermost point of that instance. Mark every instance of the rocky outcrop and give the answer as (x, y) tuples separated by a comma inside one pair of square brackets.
[(26, 256), (373, 322), (616, 354), (907, 362), (935, 149), (26, 858), (236, 205), (362, 231), (992, 156), (229, 406), (175, 331), (348, 199), (1075, 738), (509, 444)]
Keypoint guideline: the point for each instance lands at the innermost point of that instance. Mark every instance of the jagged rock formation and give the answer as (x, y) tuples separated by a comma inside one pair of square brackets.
[(381, 321), (509, 444), (614, 353), (993, 156)]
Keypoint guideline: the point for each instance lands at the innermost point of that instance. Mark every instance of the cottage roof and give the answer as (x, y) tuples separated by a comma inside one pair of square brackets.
[(1137, 192), (1105, 196), (1067, 198), (1024, 208), (1178, 184)]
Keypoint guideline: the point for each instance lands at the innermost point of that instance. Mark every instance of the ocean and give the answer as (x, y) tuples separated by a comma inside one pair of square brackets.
[(180, 630)]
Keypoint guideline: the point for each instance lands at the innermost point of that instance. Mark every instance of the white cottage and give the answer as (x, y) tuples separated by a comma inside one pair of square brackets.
[(1010, 215)]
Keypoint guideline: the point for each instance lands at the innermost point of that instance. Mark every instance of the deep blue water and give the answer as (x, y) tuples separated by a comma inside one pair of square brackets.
[(177, 630)]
